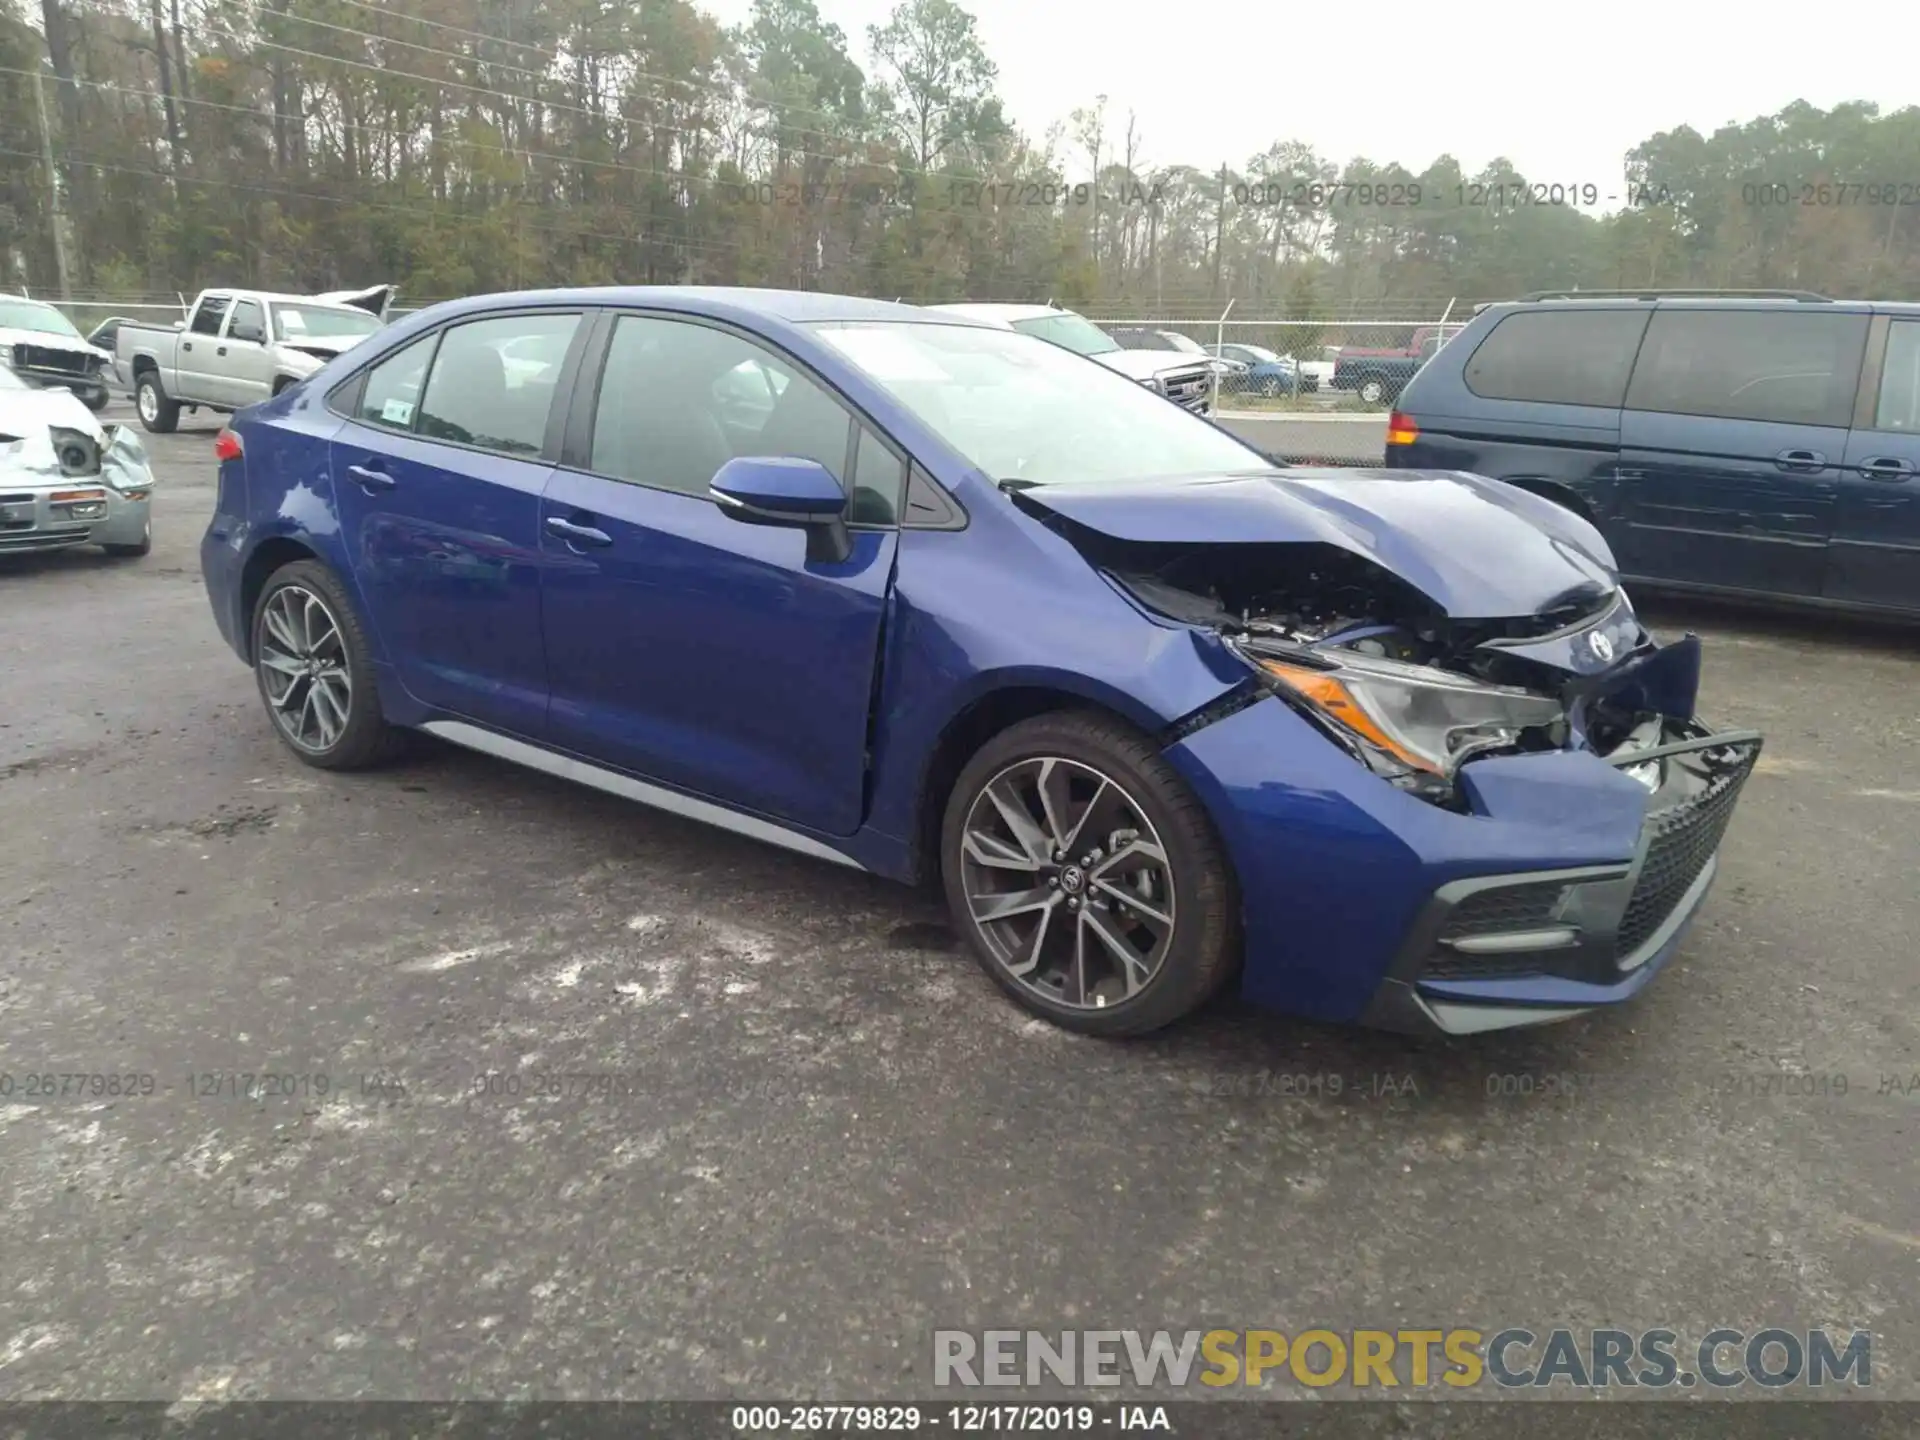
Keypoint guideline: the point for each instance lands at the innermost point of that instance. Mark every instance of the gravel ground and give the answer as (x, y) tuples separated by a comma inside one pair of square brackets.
[(822, 1134)]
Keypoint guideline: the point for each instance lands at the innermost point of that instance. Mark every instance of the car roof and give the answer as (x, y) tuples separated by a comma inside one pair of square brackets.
[(795, 307), (995, 314), (1708, 303)]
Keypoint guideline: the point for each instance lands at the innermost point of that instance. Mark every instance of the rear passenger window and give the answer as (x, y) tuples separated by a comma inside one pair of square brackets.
[(1899, 403), (1793, 367), (1558, 357), (212, 310), (493, 382), (392, 392)]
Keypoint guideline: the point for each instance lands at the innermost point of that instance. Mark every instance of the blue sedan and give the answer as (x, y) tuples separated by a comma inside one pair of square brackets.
[(933, 599)]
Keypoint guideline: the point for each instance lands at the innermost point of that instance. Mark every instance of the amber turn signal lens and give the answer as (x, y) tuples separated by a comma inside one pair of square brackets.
[(68, 497), (1401, 429)]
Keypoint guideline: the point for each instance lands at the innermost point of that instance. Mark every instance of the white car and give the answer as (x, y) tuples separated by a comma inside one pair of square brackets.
[(67, 480), (43, 348), (1188, 383)]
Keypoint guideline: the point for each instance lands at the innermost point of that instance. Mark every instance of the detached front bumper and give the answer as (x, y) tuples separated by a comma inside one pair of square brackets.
[(1567, 887)]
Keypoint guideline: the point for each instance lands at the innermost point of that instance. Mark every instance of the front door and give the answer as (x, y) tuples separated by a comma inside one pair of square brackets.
[(1731, 445), (438, 476), (682, 644), (1876, 539), (242, 366)]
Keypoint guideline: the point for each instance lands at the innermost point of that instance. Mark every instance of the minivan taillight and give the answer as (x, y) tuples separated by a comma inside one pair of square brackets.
[(226, 445), (1401, 429)]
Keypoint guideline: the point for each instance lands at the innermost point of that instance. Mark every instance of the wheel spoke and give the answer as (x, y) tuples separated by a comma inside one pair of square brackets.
[(1133, 852), (279, 627), (1073, 835), (1054, 785), (1133, 965), (1074, 988), (1026, 834), (1133, 907), (332, 709), (281, 663), (1024, 966), (989, 908), (992, 851)]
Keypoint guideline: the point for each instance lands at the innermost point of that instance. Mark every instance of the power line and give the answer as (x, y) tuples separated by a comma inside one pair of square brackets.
[(718, 92), (718, 86), (416, 211)]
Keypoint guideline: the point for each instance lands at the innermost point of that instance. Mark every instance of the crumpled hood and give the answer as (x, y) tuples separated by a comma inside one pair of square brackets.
[(28, 414), (1478, 548), (9, 337)]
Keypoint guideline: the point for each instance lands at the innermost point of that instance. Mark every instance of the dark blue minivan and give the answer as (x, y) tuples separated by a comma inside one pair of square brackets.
[(1761, 444)]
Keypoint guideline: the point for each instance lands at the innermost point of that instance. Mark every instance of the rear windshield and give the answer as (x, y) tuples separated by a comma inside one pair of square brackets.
[(1558, 357)]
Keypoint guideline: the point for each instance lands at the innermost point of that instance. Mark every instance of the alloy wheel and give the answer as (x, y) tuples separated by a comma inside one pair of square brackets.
[(303, 669), (149, 403), (1067, 883)]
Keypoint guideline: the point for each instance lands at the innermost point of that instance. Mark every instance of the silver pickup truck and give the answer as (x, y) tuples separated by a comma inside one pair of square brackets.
[(239, 347)]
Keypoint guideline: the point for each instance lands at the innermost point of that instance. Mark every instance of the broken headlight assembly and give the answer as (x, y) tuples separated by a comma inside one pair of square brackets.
[(1413, 725), (77, 452)]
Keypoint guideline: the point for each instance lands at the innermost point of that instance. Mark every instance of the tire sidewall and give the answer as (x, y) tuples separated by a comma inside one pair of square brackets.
[(1201, 881)]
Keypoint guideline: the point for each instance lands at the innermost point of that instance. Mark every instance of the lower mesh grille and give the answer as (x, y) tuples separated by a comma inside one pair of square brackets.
[(1680, 841)]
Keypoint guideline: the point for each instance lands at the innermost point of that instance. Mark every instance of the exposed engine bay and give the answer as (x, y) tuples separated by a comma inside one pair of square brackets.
[(1410, 690)]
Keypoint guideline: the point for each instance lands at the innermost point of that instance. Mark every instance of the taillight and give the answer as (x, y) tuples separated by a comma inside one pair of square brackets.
[(1401, 429), (226, 445)]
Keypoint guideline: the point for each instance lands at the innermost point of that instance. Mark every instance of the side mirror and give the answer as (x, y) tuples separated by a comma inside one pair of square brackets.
[(787, 491), (252, 334)]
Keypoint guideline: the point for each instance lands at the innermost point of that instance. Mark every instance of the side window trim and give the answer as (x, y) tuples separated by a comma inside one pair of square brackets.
[(1873, 371)]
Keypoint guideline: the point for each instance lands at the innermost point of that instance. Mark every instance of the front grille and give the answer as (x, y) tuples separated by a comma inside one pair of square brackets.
[(39, 357), (1679, 842)]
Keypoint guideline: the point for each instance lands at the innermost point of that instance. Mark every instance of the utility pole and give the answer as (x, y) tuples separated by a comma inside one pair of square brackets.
[(53, 188), (1219, 231)]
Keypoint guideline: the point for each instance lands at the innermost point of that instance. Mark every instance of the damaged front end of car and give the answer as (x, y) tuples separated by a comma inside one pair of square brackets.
[(66, 480), (1533, 809)]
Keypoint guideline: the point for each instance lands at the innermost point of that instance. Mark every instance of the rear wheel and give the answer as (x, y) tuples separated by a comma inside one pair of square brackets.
[(95, 400), (1087, 877), (315, 671), (1270, 386), (158, 414), (1373, 390)]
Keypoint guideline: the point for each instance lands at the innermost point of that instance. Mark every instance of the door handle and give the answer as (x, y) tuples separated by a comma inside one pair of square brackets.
[(221, 351), (577, 534), (1800, 460), (186, 344), (370, 479), (1886, 467)]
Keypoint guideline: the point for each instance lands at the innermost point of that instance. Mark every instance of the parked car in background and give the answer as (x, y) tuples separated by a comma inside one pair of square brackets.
[(1378, 376), (1264, 372), (65, 479), (959, 605), (1320, 370), (1763, 445), (1137, 338), (1188, 384), (104, 337), (239, 347), (43, 348)]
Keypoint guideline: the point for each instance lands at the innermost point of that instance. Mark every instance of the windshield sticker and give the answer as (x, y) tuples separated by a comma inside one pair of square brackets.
[(397, 412)]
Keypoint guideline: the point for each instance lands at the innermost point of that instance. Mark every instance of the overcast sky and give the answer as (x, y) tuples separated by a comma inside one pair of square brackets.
[(1562, 91)]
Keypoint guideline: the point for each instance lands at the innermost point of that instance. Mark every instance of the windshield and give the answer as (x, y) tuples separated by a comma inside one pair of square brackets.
[(322, 322), (1181, 343), (1262, 354), (32, 315), (1072, 332), (1023, 410)]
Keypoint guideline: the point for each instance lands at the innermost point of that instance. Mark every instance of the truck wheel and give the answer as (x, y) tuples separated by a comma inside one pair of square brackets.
[(158, 414), (96, 400), (1373, 390)]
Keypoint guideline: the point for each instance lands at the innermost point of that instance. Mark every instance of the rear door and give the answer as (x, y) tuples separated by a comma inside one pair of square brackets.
[(1875, 558), (242, 366), (1535, 401), (1732, 442), (437, 475), (682, 644), (195, 379)]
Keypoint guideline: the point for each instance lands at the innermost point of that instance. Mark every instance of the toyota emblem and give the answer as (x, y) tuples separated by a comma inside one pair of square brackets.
[(1601, 646)]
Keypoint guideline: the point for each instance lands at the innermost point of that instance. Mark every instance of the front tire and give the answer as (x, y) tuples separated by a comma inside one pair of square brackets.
[(1373, 391), (1088, 878), (158, 414), (314, 668)]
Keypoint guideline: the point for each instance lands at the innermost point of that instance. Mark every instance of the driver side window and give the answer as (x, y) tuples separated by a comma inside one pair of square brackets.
[(678, 400)]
